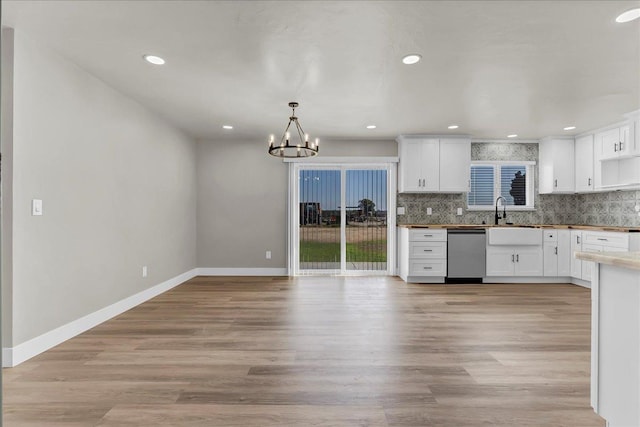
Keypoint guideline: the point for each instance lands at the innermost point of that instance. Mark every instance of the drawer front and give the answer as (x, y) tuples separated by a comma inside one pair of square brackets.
[(550, 235), (428, 250), (607, 240), (428, 267), (425, 235)]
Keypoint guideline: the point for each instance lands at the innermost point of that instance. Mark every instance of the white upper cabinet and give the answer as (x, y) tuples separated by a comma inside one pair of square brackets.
[(618, 142), (584, 164), (431, 165), (556, 166), (455, 165)]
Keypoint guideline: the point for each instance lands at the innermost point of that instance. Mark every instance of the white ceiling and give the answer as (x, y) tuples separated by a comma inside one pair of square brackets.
[(492, 67)]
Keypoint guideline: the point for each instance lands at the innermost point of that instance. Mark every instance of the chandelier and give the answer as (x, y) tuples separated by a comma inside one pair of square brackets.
[(287, 148)]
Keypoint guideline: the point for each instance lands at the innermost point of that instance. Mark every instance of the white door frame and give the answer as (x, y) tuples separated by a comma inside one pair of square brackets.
[(342, 164)]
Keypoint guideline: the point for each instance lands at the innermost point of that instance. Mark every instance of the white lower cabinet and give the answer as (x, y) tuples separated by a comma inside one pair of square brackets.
[(598, 241), (557, 253), (506, 260), (576, 246), (423, 255)]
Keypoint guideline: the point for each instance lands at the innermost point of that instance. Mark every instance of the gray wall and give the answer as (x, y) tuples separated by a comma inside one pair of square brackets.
[(242, 200), (118, 188)]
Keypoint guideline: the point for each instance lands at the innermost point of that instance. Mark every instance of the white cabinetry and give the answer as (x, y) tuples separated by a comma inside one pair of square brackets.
[(599, 241), (557, 253), (423, 255), (584, 164), (617, 155), (617, 142), (576, 246), (514, 260), (430, 165), (556, 166)]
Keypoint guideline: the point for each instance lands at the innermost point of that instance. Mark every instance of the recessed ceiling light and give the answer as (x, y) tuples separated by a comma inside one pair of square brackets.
[(227, 127), (513, 135), (371, 127), (570, 128), (411, 59), (629, 15), (155, 60), (453, 127)]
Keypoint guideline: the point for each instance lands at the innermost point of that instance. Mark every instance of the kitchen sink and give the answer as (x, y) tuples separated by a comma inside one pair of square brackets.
[(514, 236)]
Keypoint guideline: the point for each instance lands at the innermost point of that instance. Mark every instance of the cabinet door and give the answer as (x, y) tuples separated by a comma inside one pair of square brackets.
[(410, 168), (584, 164), (529, 261), (563, 166), (609, 140), (430, 161), (576, 245), (550, 259), (626, 146), (455, 165), (500, 261), (564, 253), (556, 166), (587, 266)]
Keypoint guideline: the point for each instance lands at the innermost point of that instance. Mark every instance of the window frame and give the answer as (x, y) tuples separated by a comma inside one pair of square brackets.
[(496, 164)]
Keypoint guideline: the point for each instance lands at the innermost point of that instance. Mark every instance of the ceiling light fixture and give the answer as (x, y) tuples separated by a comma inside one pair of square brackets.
[(371, 127), (629, 15), (411, 59), (513, 135), (570, 128), (453, 127), (227, 127), (286, 149), (155, 60)]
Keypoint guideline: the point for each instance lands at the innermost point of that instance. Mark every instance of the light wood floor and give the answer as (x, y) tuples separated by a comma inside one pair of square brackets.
[(322, 352)]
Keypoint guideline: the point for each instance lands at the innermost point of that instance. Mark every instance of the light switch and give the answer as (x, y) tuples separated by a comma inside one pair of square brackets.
[(36, 207), (429, 211), (400, 210)]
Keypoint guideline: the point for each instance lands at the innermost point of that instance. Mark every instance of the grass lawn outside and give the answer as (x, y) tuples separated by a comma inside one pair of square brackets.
[(365, 251)]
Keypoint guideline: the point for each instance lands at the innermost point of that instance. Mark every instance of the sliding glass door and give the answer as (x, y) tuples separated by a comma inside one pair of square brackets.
[(339, 220)]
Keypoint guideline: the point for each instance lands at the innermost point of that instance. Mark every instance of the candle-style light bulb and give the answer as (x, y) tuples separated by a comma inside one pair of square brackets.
[(287, 136), (271, 140), (306, 137), (317, 142)]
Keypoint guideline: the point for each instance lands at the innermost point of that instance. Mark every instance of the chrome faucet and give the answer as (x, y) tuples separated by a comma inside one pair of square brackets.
[(504, 210)]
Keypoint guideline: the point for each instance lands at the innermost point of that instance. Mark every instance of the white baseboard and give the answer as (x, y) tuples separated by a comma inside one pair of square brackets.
[(242, 272), (22, 352), (583, 283), (526, 279)]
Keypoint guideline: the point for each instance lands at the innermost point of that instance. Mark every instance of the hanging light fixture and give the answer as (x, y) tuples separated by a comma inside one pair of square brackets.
[(287, 148)]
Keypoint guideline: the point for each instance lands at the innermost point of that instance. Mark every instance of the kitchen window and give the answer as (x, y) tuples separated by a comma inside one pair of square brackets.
[(511, 180)]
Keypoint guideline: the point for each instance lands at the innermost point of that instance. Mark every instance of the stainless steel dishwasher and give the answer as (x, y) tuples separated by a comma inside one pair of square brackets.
[(466, 254)]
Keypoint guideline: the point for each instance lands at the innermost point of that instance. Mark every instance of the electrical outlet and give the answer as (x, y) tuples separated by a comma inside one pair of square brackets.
[(144, 271), (459, 211), (400, 210), (429, 211), (268, 255)]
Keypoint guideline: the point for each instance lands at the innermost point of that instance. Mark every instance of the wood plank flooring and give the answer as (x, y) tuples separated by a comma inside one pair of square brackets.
[(357, 351)]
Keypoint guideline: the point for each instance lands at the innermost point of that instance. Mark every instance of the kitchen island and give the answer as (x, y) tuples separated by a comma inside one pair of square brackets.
[(615, 336)]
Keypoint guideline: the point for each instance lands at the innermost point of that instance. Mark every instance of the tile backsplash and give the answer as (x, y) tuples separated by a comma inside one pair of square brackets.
[(615, 208)]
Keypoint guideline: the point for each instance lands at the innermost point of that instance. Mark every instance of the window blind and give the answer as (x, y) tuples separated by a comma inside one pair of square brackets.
[(482, 183)]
